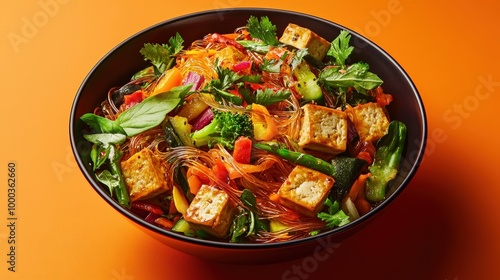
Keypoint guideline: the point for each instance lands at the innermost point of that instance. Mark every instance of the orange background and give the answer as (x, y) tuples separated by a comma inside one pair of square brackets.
[(443, 226)]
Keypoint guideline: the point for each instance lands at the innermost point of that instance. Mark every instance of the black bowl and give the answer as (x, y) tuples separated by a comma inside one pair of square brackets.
[(117, 66)]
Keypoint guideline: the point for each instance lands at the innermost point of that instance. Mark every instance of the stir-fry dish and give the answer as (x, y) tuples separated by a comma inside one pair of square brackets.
[(248, 137)]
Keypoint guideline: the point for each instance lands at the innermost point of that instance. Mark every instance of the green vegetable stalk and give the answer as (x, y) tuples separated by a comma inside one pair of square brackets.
[(299, 158), (121, 191), (386, 163)]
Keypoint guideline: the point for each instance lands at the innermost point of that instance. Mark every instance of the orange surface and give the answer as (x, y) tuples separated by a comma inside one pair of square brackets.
[(445, 225)]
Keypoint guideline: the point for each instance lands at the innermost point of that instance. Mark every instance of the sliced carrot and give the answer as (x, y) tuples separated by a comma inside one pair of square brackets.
[(248, 168), (194, 183), (357, 194), (358, 187), (202, 176)]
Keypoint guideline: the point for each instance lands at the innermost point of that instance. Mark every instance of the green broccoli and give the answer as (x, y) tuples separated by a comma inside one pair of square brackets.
[(224, 129)]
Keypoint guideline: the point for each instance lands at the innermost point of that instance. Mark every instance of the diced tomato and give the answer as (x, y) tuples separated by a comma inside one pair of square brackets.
[(133, 98), (382, 99), (242, 150)]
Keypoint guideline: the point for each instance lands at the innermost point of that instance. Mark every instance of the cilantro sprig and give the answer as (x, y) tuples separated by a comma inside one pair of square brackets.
[(263, 29), (162, 56), (335, 217)]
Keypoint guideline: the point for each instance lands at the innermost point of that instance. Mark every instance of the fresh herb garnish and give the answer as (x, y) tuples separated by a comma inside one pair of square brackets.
[(335, 217), (340, 49), (268, 96), (247, 221), (162, 56), (139, 118), (355, 75), (264, 30)]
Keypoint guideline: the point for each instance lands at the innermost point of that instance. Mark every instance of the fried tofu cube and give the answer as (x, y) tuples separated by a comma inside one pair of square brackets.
[(143, 174), (305, 190), (303, 38), (211, 210), (370, 120), (323, 129)]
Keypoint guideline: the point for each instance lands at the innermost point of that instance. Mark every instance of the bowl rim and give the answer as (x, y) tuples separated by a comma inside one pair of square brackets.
[(218, 244)]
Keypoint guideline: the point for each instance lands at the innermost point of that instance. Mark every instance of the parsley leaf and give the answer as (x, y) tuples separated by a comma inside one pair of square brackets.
[(335, 217), (268, 96), (162, 55), (263, 30), (227, 78), (340, 49)]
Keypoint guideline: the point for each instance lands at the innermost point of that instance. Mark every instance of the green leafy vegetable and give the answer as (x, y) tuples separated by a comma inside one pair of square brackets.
[(268, 96), (247, 221), (139, 118), (101, 124), (264, 30), (106, 138), (113, 177), (227, 78), (334, 217), (146, 114), (355, 75), (162, 56), (340, 49)]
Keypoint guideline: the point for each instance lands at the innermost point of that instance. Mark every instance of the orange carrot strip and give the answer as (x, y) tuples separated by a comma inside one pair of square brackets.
[(194, 183)]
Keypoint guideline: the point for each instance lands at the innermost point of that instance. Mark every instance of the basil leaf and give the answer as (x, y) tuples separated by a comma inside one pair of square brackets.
[(101, 124), (98, 155), (356, 75), (180, 91), (108, 179), (105, 138), (249, 199), (147, 114), (239, 226)]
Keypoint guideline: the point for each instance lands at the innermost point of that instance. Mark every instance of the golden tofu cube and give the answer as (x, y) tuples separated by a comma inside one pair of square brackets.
[(211, 210), (323, 129), (143, 174), (303, 38), (305, 190), (370, 121)]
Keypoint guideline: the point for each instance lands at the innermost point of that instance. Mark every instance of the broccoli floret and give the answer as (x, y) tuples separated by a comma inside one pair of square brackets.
[(225, 128)]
